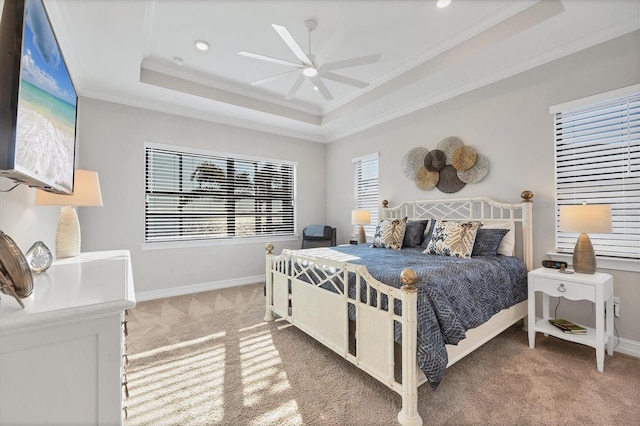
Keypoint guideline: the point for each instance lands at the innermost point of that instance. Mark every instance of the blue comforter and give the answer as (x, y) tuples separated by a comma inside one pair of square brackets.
[(454, 295)]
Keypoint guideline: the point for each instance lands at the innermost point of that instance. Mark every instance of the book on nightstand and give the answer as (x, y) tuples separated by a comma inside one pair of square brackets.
[(568, 327)]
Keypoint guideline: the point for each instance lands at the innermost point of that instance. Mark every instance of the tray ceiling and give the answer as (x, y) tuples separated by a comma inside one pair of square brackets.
[(124, 51)]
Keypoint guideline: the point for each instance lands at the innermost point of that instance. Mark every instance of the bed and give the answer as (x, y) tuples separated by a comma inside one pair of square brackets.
[(403, 316)]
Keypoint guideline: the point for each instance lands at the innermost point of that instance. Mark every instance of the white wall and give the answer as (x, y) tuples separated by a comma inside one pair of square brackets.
[(509, 123), (24, 222)]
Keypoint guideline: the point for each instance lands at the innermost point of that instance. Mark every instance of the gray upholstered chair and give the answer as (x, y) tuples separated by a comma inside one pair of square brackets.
[(318, 236)]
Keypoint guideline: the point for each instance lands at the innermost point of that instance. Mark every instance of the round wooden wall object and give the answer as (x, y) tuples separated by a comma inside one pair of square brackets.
[(449, 181), (412, 161), (435, 160), (464, 158), (449, 145), (425, 179), (476, 173)]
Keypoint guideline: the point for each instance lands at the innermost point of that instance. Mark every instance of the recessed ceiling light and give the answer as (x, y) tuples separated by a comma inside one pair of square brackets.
[(443, 3), (315, 88), (201, 45), (310, 71), (177, 61)]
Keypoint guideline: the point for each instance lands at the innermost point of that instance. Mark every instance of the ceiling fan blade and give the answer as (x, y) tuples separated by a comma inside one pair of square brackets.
[(322, 88), (271, 78), (345, 80), (353, 62), (295, 87), (334, 42), (269, 59), (291, 42)]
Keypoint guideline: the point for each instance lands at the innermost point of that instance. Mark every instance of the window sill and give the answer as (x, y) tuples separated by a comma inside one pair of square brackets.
[(216, 243), (613, 263)]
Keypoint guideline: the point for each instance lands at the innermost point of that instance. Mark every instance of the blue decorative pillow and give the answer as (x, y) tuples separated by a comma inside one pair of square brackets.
[(428, 231), (488, 241), (414, 233)]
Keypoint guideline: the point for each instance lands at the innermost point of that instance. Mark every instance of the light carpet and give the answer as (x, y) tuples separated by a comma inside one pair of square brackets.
[(210, 359)]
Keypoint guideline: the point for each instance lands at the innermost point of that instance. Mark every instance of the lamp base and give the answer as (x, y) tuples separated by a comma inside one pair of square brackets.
[(584, 258), (68, 233), (362, 238)]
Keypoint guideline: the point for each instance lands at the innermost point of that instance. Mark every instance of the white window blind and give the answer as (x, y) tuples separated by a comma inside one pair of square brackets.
[(597, 151), (196, 195), (365, 172)]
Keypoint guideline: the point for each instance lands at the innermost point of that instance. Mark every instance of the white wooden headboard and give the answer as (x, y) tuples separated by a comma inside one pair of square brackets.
[(483, 209)]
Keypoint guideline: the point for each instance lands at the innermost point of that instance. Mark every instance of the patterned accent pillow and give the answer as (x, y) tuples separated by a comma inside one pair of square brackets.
[(487, 242), (390, 233), (453, 239), (414, 233)]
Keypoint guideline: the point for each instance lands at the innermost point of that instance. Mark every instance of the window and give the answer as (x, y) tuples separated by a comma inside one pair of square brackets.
[(365, 176), (597, 152), (197, 195)]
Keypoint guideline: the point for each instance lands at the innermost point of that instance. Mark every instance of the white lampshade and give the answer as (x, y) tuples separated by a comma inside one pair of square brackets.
[(585, 218), (594, 218), (360, 217), (86, 192)]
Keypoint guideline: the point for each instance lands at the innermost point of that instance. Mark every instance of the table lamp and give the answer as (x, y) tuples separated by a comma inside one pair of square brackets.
[(585, 218), (361, 217), (86, 192)]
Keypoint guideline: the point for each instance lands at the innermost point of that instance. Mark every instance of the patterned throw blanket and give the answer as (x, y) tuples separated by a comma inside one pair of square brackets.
[(454, 294)]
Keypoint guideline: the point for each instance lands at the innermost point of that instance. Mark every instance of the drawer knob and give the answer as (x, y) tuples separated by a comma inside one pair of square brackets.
[(562, 288)]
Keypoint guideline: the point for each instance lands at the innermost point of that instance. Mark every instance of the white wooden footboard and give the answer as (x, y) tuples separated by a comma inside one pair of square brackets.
[(307, 306)]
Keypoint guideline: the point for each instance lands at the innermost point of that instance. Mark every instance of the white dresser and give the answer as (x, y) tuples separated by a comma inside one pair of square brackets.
[(61, 357)]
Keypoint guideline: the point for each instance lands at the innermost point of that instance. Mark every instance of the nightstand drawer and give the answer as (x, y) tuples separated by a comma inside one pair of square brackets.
[(570, 290)]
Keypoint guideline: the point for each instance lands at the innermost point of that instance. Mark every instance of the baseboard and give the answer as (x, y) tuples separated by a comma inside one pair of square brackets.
[(628, 347), (196, 288)]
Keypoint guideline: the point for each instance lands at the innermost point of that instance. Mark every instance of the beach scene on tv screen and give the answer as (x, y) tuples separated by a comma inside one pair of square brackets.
[(46, 106)]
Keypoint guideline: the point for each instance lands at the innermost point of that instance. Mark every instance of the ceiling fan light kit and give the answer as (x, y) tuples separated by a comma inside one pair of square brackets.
[(310, 71), (307, 66)]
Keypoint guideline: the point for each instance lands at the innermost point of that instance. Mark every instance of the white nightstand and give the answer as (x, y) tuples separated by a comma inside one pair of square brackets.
[(597, 288)]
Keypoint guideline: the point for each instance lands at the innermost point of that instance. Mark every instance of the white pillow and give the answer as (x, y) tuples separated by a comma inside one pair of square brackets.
[(509, 240)]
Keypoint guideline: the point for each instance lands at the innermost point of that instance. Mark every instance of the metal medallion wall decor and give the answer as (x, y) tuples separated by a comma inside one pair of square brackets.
[(449, 167), (412, 161)]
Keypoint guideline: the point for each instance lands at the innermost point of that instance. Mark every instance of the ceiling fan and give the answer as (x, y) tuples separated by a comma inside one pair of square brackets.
[(308, 67)]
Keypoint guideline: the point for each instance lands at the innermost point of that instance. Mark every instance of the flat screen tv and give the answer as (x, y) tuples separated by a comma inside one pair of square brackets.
[(38, 102)]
